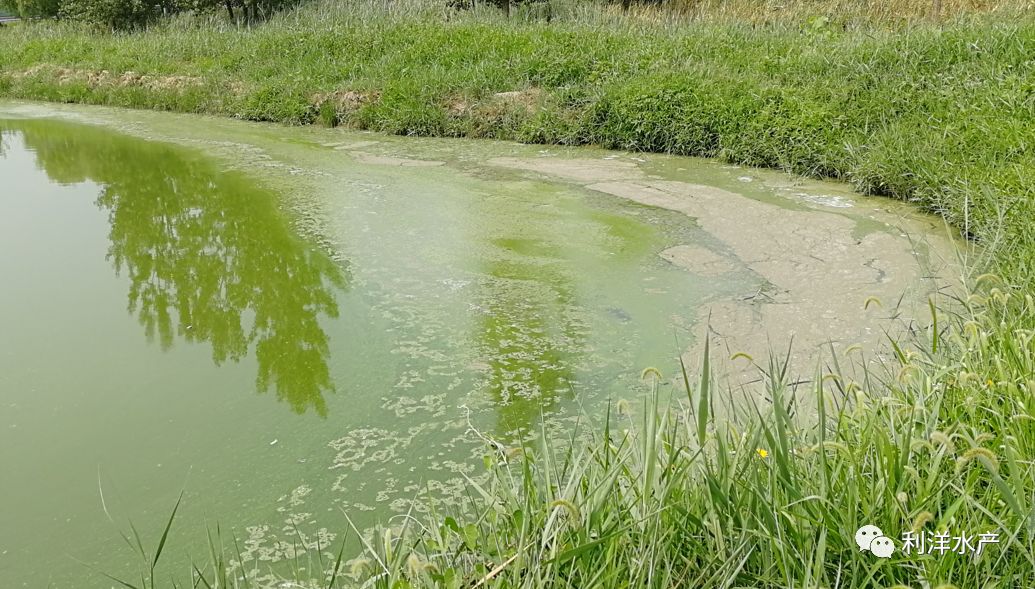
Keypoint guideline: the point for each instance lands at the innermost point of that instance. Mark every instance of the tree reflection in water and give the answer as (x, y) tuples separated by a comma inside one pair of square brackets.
[(529, 335), (209, 255)]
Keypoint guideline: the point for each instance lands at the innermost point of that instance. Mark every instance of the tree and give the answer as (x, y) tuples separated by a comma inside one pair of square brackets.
[(31, 8), (135, 14), (244, 10), (117, 14), (184, 233)]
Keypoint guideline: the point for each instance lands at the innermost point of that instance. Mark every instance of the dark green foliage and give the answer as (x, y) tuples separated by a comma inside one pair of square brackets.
[(31, 8), (244, 10), (117, 14), (123, 15)]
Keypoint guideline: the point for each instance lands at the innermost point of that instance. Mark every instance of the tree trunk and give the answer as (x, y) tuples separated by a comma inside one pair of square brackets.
[(230, 9)]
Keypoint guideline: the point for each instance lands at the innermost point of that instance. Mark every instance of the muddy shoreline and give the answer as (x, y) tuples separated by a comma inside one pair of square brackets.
[(826, 284)]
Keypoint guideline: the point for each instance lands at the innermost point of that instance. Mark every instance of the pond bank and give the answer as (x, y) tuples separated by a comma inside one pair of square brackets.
[(937, 116)]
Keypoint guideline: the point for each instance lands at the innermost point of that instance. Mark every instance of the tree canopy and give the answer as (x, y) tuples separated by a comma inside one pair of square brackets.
[(135, 14)]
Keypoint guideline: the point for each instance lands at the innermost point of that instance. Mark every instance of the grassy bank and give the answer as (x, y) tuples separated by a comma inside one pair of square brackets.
[(943, 115), (940, 441), (940, 444), (939, 115)]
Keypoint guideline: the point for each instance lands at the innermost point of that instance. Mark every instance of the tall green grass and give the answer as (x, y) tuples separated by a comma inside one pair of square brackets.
[(708, 491), (771, 494)]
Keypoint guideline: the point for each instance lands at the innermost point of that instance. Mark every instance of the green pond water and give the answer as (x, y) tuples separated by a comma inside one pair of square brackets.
[(283, 332)]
